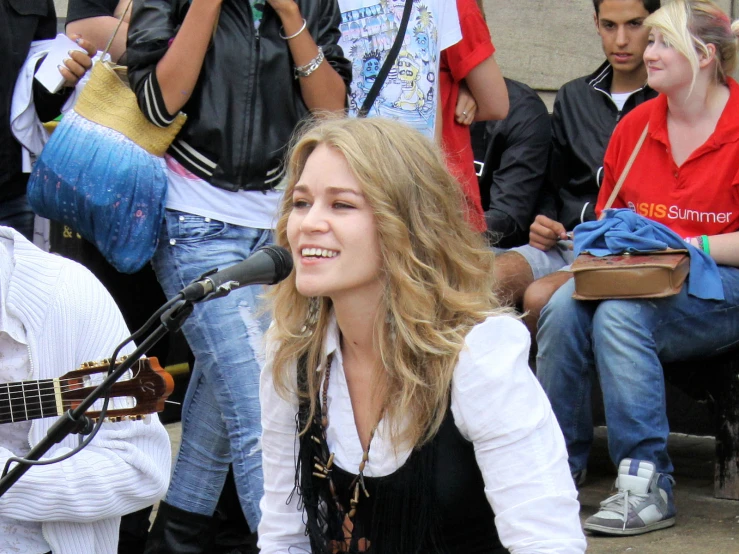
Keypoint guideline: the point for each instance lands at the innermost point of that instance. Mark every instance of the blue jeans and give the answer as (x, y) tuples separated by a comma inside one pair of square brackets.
[(16, 213), (220, 414), (623, 343)]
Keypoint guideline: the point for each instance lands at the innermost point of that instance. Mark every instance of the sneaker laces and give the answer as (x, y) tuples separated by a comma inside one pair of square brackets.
[(621, 502)]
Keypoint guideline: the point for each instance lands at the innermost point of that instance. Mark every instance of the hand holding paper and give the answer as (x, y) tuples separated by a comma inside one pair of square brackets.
[(66, 62)]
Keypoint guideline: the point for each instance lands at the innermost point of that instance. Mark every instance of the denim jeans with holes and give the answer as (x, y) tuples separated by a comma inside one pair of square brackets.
[(622, 344), (220, 414)]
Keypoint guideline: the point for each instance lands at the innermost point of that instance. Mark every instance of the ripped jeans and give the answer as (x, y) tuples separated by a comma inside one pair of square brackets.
[(220, 414)]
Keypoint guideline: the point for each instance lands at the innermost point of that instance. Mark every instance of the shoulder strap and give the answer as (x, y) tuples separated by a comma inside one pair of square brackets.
[(115, 31), (627, 168), (389, 61)]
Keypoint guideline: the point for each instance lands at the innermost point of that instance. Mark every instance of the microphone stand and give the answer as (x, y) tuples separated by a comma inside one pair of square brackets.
[(75, 421)]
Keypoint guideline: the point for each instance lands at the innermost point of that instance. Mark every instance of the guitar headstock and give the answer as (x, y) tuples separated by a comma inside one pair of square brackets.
[(148, 386)]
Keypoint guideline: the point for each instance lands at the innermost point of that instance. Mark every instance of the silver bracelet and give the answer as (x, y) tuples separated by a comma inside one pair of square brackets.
[(296, 34), (311, 66)]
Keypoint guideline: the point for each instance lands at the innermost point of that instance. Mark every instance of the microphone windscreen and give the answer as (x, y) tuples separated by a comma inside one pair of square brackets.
[(282, 259)]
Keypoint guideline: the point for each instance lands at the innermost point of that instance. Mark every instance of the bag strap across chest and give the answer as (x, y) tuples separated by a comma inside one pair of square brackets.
[(627, 168)]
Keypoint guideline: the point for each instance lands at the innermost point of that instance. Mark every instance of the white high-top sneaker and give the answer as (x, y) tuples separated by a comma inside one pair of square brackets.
[(641, 504)]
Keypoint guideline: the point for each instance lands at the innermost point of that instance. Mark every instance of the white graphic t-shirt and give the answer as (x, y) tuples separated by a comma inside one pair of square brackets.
[(368, 29)]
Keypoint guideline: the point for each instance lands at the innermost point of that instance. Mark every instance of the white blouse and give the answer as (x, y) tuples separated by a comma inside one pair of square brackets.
[(497, 404)]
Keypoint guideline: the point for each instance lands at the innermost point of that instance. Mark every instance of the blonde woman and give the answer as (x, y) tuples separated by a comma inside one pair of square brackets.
[(685, 176), (418, 419)]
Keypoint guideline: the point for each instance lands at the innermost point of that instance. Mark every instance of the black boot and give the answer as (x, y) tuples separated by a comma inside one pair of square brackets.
[(176, 531), (134, 531)]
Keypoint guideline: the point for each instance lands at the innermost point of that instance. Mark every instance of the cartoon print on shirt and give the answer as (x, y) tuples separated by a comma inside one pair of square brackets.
[(370, 69), (411, 97), (408, 92), (425, 34)]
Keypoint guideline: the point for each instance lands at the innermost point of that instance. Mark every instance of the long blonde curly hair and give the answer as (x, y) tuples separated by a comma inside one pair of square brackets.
[(438, 272)]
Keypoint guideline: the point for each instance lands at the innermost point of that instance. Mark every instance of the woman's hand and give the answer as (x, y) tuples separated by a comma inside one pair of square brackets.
[(77, 64), (289, 13), (322, 89), (284, 7), (466, 108)]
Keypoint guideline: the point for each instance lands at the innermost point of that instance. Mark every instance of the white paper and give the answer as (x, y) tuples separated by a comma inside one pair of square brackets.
[(48, 74)]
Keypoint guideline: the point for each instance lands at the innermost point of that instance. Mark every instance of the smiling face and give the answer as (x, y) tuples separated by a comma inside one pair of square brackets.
[(332, 231), (624, 37), (667, 69)]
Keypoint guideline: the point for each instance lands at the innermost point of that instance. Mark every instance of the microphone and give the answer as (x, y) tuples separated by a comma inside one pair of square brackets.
[(266, 266)]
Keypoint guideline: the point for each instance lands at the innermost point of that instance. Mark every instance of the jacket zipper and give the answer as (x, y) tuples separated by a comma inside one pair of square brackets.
[(610, 98), (619, 113), (255, 70)]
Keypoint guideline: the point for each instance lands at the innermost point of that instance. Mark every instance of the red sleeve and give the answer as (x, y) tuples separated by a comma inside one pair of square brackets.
[(475, 46)]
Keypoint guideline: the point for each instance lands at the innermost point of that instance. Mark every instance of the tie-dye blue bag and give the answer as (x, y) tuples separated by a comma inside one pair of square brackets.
[(102, 172)]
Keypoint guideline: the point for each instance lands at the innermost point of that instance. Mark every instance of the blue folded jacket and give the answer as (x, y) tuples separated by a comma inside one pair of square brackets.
[(623, 230)]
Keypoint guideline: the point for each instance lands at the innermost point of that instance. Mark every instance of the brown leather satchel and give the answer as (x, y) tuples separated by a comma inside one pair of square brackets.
[(653, 275)]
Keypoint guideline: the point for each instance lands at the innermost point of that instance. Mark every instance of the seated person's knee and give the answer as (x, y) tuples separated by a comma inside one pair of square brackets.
[(537, 295)]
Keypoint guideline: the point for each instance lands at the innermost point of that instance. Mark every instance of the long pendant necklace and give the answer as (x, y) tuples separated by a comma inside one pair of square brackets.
[(323, 469)]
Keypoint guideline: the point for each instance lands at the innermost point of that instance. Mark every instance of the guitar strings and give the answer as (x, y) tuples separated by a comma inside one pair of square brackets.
[(71, 383), (38, 408), (65, 385)]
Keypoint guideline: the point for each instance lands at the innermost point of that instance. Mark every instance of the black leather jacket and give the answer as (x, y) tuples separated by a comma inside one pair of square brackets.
[(583, 120), (512, 158), (247, 102)]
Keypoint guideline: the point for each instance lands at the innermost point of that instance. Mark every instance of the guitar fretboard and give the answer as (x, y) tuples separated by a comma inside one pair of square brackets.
[(28, 400)]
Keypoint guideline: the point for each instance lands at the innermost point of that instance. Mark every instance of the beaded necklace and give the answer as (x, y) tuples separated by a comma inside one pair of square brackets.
[(323, 467)]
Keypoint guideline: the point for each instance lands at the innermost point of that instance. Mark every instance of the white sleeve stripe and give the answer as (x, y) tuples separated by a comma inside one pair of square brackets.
[(155, 114), (176, 148), (582, 213), (197, 155), (149, 101), (167, 120)]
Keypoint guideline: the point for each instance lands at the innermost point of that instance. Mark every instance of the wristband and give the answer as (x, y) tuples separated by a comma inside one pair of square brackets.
[(705, 244), (295, 34), (311, 66)]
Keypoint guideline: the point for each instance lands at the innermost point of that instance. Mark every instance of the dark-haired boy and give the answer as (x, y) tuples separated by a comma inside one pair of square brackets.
[(586, 111)]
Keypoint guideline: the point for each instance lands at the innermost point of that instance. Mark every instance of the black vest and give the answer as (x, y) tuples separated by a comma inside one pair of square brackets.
[(434, 503)]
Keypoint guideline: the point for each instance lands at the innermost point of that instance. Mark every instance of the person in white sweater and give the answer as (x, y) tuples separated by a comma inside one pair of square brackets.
[(54, 316)]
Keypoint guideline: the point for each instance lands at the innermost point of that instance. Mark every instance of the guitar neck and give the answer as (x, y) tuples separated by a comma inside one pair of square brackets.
[(144, 393), (27, 400)]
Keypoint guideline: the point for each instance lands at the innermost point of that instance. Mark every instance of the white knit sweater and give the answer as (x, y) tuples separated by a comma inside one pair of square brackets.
[(70, 319)]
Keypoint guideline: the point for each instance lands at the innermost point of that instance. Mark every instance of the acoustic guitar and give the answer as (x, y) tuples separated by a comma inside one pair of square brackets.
[(146, 389)]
